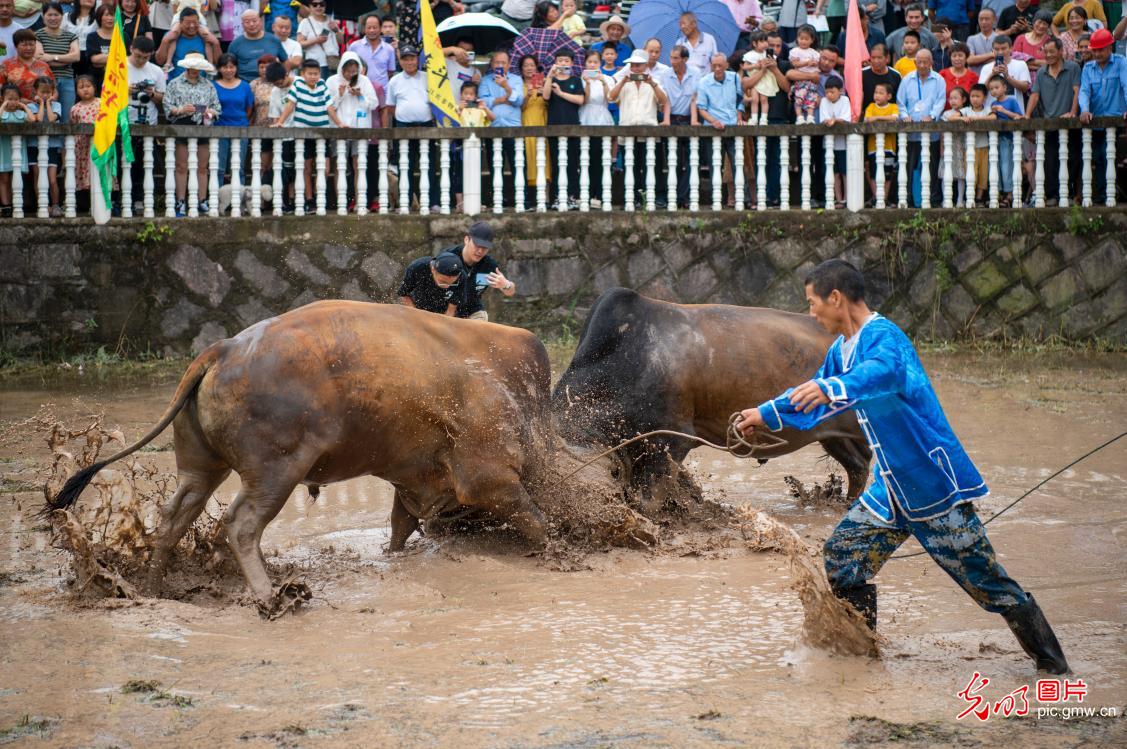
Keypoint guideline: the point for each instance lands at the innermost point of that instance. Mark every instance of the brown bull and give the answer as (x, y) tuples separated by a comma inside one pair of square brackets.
[(451, 412)]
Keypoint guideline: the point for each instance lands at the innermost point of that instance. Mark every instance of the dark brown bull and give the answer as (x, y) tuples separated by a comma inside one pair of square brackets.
[(451, 412), (643, 365)]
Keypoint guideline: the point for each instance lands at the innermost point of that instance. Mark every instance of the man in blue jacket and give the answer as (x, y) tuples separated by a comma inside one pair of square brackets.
[(923, 481)]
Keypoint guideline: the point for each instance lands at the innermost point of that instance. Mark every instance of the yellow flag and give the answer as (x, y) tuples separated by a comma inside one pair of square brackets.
[(113, 112), (441, 95)]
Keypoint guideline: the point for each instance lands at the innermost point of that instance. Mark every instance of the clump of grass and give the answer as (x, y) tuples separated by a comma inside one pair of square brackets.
[(27, 726), (156, 694)]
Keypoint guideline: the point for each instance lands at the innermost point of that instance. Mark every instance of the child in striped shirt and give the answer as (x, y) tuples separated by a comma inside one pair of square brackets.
[(311, 105)]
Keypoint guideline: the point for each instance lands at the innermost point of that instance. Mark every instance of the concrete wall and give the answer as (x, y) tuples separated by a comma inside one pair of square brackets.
[(175, 286)]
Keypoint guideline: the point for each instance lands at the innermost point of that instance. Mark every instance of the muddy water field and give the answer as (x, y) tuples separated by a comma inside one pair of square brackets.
[(470, 638)]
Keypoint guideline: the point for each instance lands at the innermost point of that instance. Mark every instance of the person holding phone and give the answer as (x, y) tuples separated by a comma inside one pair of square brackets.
[(481, 271)]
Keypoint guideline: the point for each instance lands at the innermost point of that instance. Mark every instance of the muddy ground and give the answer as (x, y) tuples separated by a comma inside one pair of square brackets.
[(471, 641)]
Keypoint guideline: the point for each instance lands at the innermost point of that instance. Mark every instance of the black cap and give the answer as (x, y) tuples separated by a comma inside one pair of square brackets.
[(407, 49), (447, 264), (482, 234)]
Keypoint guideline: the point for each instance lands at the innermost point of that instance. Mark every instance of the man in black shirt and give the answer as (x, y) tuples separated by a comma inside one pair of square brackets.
[(433, 284), (564, 93), (877, 72), (482, 271), (1017, 19)]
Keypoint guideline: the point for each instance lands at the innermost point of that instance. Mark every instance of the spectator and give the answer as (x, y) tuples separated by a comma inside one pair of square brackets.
[(503, 93), (747, 14), (956, 15), (1077, 27), (377, 52), (701, 45), (44, 107), (190, 99), (958, 99), (570, 21), (408, 105), (80, 22), (873, 35), (253, 44), (147, 86), (1056, 93), (459, 65), (481, 271), (433, 284), (615, 33), (718, 106), (1103, 93), (834, 11), (320, 38), (835, 108), (1005, 106), (1014, 72), (236, 101), (1028, 46), (311, 105), (533, 114), (189, 37), (914, 18), (981, 45), (878, 72), (1083, 50), (792, 17), (98, 42), (759, 94), (12, 111), (280, 83), (804, 72), (681, 88), (942, 56), (595, 113), (261, 88), (639, 97), (22, 68), (882, 109), (353, 98), (959, 75), (979, 111), (161, 17), (291, 9), (84, 112), (8, 27), (59, 49), (134, 22), (282, 28), (565, 94), (472, 111), (1092, 9), (1017, 19), (910, 46), (654, 66), (922, 97)]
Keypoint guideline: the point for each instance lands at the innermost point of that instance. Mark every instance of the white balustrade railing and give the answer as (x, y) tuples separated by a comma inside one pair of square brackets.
[(538, 168)]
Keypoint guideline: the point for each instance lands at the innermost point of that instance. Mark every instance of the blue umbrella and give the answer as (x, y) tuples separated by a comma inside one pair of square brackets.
[(659, 19)]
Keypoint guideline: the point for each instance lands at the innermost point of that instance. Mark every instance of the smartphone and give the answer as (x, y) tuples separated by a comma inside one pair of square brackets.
[(538, 80), (482, 279), (1078, 56), (354, 80), (499, 72), (591, 74), (637, 77), (471, 56), (388, 39), (999, 59)]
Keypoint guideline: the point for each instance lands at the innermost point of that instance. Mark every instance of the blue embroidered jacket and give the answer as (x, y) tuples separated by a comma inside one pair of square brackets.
[(919, 467)]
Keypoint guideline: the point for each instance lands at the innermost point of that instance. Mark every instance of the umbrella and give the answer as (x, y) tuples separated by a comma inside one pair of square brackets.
[(485, 31), (543, 45), (659, 19)]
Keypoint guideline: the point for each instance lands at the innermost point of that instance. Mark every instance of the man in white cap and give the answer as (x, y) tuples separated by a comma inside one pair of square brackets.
[(701, 44), (615, 30), (639, 97)]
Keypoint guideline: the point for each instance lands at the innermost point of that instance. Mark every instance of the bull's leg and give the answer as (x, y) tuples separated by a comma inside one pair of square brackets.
[(403, 523), (854, 456), (259, 502), (178, 515)]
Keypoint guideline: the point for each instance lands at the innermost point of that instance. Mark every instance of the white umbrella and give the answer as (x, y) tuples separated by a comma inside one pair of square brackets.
[(485, 31)]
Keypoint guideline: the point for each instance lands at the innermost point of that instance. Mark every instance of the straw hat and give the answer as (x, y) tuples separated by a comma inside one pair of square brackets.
[(638, 56), (614, 21), (196, 61)]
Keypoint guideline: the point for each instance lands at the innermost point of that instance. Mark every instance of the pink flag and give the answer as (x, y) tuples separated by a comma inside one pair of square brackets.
[(856, 55)]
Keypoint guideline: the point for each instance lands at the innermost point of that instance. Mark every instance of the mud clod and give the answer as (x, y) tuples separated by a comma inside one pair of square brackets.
[(829, 494)]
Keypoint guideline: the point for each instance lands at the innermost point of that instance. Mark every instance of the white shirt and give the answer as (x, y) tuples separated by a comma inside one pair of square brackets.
[(836, 110), (277, 104), (6, 33), (293, 49), (408, 94), (1018, 71), (637, 104), (149, 72), (594, 111), (349, 106), (700, 56), (311, 29), (458, 75)]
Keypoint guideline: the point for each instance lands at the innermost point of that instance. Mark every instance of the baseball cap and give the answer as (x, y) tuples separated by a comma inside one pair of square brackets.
[(407, 50), (1100, 39), (447, 264), (482, 234)]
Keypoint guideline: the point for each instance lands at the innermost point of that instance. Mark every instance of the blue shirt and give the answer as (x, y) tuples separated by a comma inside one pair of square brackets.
[(1103, 91), (622, 50), (235, 102), (508, 113), (184, 45), (247, 52), (919, 467), (680, 91), (918, 98), (721, 99), (953, 11), (1010, 105)]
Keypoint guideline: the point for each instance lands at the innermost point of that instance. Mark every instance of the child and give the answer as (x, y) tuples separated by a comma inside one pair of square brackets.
[(473, 112), (610, 66), (565, 94), (596, 112), (280, 82), (84, 112), (311, 105), (12, 110), (201, 7), (572, 21), (978, 111), (1005, 107), (957, 101), (882, 109), (804, 58), (911, 45), (46, 108), (834, 108), (766, 87)]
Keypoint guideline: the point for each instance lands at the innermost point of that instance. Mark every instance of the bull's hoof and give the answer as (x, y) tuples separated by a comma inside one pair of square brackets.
[(288, 597)]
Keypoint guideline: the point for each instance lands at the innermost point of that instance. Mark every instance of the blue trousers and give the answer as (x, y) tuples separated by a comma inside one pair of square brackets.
[(861, 544)]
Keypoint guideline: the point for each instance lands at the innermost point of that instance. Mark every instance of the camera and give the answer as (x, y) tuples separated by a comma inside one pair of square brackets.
[(637, 77)]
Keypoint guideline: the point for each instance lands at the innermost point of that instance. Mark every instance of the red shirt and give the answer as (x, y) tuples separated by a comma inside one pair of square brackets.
[(966, 80), (14, 70)]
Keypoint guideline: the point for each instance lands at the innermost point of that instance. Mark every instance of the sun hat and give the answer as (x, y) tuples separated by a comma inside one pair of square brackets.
[(196, 61), (615, 20), (637, 56)]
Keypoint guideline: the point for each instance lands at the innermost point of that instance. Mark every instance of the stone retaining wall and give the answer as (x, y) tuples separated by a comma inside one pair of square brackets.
[(175, 286)]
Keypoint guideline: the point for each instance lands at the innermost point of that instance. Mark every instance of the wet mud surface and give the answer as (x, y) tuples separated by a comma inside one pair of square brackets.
[(470, 640)]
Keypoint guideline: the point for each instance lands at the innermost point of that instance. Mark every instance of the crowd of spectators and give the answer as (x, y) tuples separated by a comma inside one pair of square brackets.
[(230, 63)]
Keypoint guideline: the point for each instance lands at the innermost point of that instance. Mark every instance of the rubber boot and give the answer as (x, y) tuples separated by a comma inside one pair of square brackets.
[(1036, 637), (864, 599)]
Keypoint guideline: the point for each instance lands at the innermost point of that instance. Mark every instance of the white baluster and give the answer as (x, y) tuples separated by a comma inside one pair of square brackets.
[(738, 172), (804, 195), (342, 177), (784, 173), (193, 177), (902, 159), (878, 154), (925, 170), (607, 182), (1086, 167), (948, 169), (717, 174), (361, 177), (236, 179), (148, 188), (1063, 176), (213, 178), (169, 173), (855, 171), (541, 182), (694, 174), (628, 175), (520, 178), (671, 177), (404, 176), (256, 179), (277, 187), (17, 176), (1109, 172), (1015, 163), (424, 176), (651, 174), (992, 166), (299, 177), (69, 201), (584, 174), (561, 178), (1039, 170), (761, 173), (321, 184), (444, 176), (828, 149), (971, 143), (471, 175), (498, 175), (42, 183), (383, 196), (126, 188)]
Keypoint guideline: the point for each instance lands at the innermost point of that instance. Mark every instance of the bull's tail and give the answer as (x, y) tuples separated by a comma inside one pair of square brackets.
[(74, 486)]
